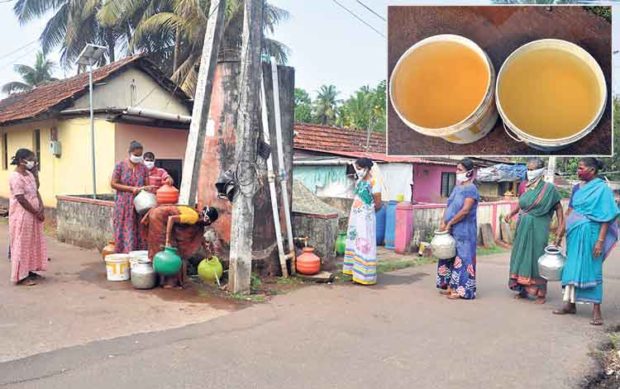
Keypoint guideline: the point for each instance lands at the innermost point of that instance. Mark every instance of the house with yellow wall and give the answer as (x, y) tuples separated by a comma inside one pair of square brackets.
[(132, 100)]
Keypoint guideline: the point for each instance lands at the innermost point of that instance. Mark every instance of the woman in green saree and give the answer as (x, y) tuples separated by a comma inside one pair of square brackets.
[(536, 208)]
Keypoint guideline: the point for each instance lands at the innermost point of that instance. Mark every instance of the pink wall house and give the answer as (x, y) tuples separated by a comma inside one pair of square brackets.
[(427, 182)]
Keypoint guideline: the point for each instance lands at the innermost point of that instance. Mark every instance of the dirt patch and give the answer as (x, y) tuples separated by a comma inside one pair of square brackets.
[(608, 359)]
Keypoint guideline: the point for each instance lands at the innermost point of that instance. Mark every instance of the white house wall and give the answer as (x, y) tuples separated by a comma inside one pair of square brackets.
[(117, 92)]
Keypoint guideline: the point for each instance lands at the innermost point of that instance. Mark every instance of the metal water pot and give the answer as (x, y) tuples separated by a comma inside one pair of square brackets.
[(144, 201), (443, 245), (551, 264), (143, 276)]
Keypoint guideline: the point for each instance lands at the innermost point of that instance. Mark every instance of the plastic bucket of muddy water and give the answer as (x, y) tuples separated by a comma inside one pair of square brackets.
[(117, 267), (550, 93), (443, 87)]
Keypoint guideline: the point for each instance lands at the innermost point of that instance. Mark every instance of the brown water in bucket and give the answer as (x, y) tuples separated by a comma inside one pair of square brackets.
[(549, 93), (440, 84)]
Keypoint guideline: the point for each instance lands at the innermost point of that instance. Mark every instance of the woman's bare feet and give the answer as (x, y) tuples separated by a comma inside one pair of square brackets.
[(453, 296), (27, 282), (567, 309), (445, 292), (597, 316), (540, 300)]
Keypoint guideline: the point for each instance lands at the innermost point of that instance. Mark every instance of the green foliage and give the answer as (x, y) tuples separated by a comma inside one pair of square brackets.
[(365, 109), (39, 74), (604, 12)]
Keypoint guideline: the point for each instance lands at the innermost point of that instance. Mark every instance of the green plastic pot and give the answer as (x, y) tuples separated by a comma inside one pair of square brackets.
[(167, 262), (341, 243), (210, 270)]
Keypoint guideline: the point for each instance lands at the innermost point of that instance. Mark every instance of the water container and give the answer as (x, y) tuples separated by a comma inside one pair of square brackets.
[(380, 215), (404, 227), (390, 224)]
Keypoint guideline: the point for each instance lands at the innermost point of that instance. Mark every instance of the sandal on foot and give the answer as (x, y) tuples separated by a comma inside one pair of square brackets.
[(444, 292), (596, 322), (540, 300), (454, 296)]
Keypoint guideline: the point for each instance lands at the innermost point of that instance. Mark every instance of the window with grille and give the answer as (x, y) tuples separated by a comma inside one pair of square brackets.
[(448, 181), (5, 151), (37, 146)]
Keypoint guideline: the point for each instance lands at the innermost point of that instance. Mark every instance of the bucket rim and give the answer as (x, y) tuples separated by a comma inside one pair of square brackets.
[(592, 64), (465, 123)]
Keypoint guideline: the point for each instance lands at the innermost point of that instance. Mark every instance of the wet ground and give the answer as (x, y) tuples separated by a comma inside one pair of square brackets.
[(498, 31)]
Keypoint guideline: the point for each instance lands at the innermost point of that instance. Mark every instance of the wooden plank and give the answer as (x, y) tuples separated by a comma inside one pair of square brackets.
[(506, 232), (202, 102), (248, 121), (488, 239)]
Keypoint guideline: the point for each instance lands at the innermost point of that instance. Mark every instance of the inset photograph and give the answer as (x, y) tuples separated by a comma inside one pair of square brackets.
[(499, 80)]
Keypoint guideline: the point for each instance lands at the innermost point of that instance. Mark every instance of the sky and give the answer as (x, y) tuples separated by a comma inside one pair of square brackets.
[(328, 45)]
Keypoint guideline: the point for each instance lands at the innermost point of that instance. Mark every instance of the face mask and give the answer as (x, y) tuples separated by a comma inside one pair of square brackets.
[(360, 173), (534, 174), (585, 175), (462, 177), (149, 164), (29, 165), (135, 158)]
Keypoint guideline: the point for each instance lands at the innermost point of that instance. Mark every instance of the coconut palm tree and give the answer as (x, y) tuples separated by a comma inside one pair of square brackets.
[(173, 31), (325, 105), (73, 24), (40, 74)]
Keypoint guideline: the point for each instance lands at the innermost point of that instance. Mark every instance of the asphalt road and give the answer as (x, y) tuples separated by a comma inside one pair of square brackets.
[(398, 334)]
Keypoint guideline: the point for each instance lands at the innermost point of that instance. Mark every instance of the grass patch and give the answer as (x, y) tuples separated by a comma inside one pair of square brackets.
[(388, 266), (290, 281), (255, 298), (482, 251)]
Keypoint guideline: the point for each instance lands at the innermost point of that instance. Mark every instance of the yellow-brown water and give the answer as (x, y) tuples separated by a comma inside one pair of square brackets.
[(549, 93), (440, 84)]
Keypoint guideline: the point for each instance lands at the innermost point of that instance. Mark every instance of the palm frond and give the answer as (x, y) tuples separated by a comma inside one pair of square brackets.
[(53, 34), (27, 10), (15, 87)]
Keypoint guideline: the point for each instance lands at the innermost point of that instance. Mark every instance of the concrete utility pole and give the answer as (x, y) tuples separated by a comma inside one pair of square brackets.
[(202, 103), (551, 170), (248, 123)]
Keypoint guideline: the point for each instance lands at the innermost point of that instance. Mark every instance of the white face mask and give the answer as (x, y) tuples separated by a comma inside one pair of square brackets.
[(135, 158), (534, 174), (462, 177), (149, 164), (29, 165), (361, 173)]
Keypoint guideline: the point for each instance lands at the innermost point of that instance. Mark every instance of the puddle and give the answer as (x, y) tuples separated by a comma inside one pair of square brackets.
[(94, 273)]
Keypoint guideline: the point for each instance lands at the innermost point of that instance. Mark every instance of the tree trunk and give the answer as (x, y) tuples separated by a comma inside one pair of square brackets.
[(177, 51)]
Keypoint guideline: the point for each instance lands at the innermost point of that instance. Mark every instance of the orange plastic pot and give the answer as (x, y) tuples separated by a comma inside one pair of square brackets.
[(308, 262), (167, 194), (108, 249)]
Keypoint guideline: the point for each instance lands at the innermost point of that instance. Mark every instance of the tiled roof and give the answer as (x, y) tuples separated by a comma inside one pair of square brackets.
[(60, 94), (315, 137)]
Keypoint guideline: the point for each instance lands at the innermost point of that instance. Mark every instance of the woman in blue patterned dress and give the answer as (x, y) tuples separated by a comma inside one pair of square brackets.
[(457, 277), (360, 259)]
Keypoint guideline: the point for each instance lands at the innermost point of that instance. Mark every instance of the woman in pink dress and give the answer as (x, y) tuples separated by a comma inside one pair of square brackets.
[(26, 217)]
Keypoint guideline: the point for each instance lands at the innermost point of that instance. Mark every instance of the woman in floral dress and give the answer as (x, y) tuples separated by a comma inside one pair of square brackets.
[(360, 258), (457, 277), (129, 178), (26, 216)]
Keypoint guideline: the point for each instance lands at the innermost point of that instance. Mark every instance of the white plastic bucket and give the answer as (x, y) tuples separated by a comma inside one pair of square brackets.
[(137, 256), (117, 267), (479, 123), (552, 144)]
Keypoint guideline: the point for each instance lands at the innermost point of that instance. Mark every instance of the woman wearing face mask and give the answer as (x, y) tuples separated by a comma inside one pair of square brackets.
[(157, 176), (129, 178), (592, 232), (536, 208), (360, 259), (26, 217), (457, 277)]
